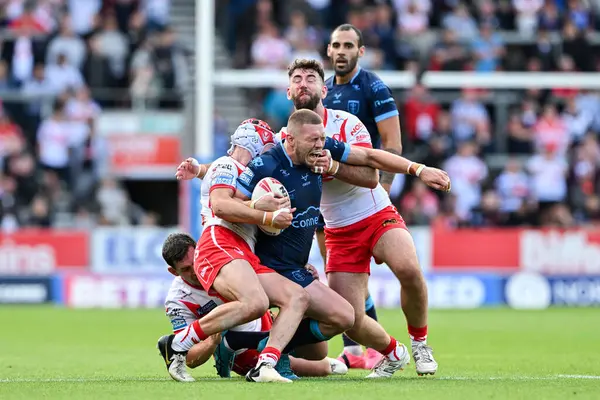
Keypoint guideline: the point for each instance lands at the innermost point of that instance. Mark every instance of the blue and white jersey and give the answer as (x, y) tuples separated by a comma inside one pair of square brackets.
[(290, 250), (365, 96)]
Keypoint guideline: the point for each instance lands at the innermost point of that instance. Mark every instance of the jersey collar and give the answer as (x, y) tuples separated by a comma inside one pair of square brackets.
[(351, 80), (282, 149), (325, 117)]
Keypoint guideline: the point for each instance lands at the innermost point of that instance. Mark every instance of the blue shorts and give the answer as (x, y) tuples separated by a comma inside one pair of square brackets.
[(301, 276), (321, 224)]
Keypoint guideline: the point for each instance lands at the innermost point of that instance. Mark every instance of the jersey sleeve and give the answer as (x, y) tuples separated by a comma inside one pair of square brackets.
[(356, 133), (179, 315), (254, 172), (339, 150), (381, 100), (222, 174)]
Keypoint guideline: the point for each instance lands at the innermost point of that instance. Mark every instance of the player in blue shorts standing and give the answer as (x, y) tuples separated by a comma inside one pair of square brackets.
[(360, 92)]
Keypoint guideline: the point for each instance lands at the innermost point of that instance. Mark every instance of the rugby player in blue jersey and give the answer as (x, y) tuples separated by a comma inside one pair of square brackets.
[(362, 93)]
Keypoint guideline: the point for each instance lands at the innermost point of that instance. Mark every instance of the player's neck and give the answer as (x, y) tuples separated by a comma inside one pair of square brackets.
[(242, 156), (320, 109), (343, 79)]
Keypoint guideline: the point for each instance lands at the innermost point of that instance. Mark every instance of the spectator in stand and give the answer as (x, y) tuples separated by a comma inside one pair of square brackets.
[(461, 23), (549, 178), (577, 122), (580, 14), (420, 113), (419, 206), (67, 43), (549, 18), (527, 15), (4, 81), (467, 172), (84, 15), (520, 136), (488, 50), (449, 54), (470, 119), (544, 51), (114, 203), (584, 178), (54, 143), (114, 46), (512, 186), (576, 45), (269, 49), (63, 76), (550, 130), (157, 13)]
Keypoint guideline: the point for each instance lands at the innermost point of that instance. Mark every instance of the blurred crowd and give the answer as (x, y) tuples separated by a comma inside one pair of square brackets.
[(62, 62), (552, 176)]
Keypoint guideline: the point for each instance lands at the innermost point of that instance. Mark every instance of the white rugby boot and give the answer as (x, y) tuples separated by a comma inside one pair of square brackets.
[(265, 373), (424, 361), (386, 367), (337, 367)]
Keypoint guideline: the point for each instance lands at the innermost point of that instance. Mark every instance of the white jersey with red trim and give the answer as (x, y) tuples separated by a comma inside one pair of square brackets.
[(342, 203), (223, 173), (185, 303)]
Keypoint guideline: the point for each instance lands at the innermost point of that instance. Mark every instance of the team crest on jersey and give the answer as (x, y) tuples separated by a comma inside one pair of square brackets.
[(353, 106)]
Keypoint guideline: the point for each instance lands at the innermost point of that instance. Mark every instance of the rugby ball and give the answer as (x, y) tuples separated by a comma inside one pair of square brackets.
[(264, 187)]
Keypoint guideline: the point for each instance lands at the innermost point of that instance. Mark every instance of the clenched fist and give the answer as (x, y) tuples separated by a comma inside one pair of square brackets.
[(435, 178), (187, 170)]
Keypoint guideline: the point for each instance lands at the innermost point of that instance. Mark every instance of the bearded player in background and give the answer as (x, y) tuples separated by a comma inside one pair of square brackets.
[(361, 93)]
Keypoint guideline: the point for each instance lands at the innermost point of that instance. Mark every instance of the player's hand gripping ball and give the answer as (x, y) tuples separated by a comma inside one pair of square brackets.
[(282, 218)]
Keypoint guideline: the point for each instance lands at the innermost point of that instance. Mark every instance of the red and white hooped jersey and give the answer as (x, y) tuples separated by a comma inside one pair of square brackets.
[(344, 204), (223, 173), (185, 303)]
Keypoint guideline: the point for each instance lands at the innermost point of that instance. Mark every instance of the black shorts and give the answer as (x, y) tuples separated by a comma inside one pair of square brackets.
[(301, 276)]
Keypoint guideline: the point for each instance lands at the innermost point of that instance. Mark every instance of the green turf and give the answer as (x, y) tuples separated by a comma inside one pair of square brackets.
[(52, 353)]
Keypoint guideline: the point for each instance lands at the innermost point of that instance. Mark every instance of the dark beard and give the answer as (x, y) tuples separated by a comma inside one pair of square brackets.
[(310, 104), (347, 69)]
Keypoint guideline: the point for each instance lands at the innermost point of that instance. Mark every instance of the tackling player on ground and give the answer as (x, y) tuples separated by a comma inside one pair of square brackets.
[(187, 301), (362, 223), (361, 93)]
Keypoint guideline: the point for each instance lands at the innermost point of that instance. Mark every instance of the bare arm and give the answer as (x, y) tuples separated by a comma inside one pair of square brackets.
[(389, 129), (203, 170), (357, 175), (233, 210), (383, 160), (202, 352)]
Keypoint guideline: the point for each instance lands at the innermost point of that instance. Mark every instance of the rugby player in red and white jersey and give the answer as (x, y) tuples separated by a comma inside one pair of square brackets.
[(224, 262), (187, 301), (362, 223)]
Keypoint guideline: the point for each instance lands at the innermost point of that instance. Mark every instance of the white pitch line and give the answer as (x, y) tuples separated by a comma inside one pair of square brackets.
[(441, 378)]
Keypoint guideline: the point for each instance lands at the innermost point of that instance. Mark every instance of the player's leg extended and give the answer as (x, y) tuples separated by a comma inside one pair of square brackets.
[(396, 248), (237, 282)]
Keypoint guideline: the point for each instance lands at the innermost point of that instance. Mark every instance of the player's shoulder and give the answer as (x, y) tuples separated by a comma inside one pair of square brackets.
[(371, 80), (341, 118), (267, 161), (177, 290), (223, 163)]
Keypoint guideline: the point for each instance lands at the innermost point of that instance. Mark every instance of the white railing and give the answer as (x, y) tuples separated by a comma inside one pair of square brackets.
[(254, 78)]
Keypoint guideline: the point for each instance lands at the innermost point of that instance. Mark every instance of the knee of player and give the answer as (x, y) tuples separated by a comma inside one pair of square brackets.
[(256, 307), (299, 299), (344, 318), (410, 275)]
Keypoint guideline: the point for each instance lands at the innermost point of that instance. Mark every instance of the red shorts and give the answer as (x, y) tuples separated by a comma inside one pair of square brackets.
[(350, 248), (217, 247)]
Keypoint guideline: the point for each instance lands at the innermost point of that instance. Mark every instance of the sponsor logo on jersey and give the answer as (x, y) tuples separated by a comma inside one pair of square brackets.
[(224, 166), (390, 221), (178, 323), (308, 218), (224, 178), (379, 103), (246, 176), (357, 128)]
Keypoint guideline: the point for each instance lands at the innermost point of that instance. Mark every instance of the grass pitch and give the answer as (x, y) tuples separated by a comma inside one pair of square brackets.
[(55, 353)]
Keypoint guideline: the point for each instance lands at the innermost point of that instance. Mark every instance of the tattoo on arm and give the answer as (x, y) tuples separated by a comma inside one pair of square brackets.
[(387, 178)]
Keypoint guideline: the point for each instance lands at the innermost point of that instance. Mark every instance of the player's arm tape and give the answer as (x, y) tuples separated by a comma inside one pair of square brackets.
[(269, 217), (415, 169)]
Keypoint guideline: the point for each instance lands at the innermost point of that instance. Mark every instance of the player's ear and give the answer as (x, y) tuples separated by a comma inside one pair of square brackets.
[(172, 271), (361, 51), (288, 93), (329, 50), (323, 91)]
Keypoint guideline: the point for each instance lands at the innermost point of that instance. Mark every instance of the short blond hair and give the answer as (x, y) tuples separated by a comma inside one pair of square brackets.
[(302, 117)]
